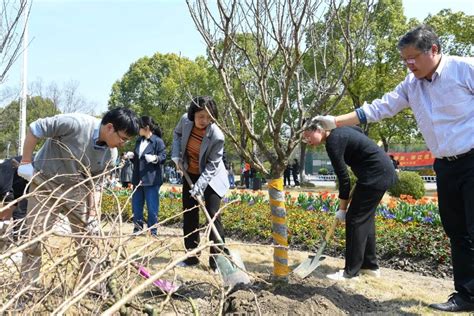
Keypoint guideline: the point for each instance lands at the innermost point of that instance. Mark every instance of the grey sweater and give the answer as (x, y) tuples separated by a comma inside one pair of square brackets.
[(70, 147)]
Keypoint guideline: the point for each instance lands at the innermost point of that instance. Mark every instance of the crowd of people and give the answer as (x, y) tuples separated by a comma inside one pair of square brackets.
[(78, 148)]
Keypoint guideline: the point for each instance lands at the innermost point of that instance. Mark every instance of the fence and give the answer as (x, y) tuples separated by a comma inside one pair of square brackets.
[(331, 177)]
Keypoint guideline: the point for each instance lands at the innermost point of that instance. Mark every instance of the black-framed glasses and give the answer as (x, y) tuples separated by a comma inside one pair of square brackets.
[(122, 139)]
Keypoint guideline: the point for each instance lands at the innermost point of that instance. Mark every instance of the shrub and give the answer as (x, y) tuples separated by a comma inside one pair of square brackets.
[(352, 177), (426, 172), (409, 183), (323, 171)]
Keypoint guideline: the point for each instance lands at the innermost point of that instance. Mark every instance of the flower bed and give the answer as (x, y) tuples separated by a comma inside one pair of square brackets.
[(406, 228)]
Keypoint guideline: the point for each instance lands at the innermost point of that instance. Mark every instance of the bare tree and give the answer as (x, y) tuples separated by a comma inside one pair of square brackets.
[(278, 61), (12, 29), (66, 98)]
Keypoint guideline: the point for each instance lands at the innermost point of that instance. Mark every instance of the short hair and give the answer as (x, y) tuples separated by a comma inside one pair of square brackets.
[(421, 37), (311, 124), (200, 103), (122, 119), (148, 121)]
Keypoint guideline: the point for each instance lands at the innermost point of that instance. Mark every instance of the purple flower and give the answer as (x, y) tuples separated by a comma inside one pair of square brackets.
[(408, 219), (427, 219), (325, 208), (386, 214), (251, 202), (310, 208)]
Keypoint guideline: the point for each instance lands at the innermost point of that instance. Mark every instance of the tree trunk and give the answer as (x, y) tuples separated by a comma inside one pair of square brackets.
[(279, 228)]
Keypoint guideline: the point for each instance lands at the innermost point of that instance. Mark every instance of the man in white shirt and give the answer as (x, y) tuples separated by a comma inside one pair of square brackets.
[(440, 91)]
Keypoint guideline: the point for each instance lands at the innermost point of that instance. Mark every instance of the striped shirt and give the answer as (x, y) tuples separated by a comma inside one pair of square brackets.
[(193, 148), (443, 107)]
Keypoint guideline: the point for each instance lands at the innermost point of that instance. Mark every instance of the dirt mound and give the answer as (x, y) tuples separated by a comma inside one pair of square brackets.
[(395, 292)]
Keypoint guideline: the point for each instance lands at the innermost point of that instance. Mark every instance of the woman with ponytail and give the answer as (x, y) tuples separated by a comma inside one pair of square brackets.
[(148, 156)]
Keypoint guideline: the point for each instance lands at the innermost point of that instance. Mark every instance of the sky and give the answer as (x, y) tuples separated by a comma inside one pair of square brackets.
[(93, 42)]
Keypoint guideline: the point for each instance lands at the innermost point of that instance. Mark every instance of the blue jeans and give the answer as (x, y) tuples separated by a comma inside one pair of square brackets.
[(231, 181), (152, 196)]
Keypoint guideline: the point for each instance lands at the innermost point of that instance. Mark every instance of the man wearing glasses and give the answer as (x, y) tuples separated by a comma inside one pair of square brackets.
[(64, 178), (440, 91)]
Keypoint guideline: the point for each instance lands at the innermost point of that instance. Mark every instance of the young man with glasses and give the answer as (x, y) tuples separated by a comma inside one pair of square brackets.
[(440, 91), (66, 175)]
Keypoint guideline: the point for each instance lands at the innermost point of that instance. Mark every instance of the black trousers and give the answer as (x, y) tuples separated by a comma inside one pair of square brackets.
[(455, 183), (295, 178), (191, 220), (286, 179), (360, 230)]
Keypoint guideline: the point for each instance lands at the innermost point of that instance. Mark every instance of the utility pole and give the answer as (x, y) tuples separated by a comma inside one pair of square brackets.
[(24, 85), (8, 149)]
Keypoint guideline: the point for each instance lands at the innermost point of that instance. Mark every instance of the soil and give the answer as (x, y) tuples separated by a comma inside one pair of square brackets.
[(404, 288), (395, 292)]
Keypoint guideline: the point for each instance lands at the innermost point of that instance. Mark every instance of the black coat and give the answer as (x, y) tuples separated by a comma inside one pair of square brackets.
[(349, 146)]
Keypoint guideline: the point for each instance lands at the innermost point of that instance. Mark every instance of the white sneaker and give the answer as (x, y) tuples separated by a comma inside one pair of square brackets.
[(341, 276), (373, 273)]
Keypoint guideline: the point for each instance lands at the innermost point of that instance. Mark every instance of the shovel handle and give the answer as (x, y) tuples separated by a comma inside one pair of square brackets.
[(335, 222), (331, 230), (202, 206)]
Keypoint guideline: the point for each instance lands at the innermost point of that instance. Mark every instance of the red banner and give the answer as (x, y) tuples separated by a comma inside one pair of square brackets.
[(414, 159)]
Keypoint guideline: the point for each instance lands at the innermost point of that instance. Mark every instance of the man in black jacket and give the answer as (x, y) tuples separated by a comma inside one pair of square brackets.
[(12, 187), (348, 146)]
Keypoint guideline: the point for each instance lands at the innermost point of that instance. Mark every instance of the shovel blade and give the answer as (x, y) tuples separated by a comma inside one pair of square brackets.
[(232, 270), (308, 266)]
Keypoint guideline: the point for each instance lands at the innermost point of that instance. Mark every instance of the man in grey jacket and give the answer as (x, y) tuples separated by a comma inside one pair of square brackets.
[(65, 174)]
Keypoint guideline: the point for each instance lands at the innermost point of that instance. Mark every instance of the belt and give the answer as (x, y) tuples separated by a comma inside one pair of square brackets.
[(456, 157)]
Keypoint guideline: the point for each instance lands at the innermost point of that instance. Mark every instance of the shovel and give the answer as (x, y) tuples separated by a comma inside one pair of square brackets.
[(310, 264), (231, 270)]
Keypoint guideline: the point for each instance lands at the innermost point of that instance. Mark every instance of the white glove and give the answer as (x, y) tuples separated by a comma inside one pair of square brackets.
[(341, 215), (93, 227), (328, 122), (129, 155), (196, 192), (151, 158), (26, 171)]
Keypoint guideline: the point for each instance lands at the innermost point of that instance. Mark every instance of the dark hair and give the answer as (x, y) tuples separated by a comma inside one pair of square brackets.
[(122, 119), (311, 124), (201, 103), (148, 121), (421, 37)]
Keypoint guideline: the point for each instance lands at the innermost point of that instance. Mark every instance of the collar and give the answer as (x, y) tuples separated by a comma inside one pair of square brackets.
[(440, 67), (95, 137)]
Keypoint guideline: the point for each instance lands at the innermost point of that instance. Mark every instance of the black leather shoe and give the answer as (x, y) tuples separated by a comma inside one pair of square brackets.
[(455, 303)]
